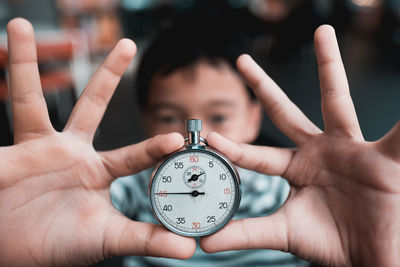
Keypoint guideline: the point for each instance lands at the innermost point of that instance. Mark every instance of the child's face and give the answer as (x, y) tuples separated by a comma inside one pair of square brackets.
[(214, 94)]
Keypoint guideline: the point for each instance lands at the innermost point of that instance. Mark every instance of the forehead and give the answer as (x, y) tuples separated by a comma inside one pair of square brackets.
[(200, 83)]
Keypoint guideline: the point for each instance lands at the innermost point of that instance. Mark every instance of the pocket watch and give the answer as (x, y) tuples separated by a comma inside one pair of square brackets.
[(195, 191)]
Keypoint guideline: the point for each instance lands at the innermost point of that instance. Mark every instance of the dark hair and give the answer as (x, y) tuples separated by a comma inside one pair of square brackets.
[(192, 38)]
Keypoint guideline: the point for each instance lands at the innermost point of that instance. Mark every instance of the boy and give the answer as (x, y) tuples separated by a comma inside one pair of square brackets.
[(189, 72)]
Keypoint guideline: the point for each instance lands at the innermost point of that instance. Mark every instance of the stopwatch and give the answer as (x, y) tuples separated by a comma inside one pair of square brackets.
[(195, 191)]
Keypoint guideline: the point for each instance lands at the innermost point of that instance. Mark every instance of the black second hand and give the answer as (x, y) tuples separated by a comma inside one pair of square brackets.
[(194, 193)]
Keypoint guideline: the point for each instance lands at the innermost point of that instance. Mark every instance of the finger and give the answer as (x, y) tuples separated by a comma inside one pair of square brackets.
[(337, 107), (126, 237), (390, 143), (93, 102), (28, 104), (269, 160), (285, 115), (255, 233), (288, 229), (309, 237), (138, 157)]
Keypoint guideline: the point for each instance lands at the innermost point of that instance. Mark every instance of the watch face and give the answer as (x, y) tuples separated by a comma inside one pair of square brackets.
[(195, 192)]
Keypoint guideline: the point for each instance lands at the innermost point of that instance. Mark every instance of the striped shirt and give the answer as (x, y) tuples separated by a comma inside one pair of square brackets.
[(261, 195)]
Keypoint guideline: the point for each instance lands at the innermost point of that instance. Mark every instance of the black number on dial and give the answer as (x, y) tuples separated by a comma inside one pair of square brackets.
[(223, 205), (178, 165), (167, 208), (210, 219), (180, 220), (166, 179)]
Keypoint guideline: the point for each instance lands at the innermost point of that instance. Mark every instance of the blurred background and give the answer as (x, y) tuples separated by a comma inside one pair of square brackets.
[(75, 36)]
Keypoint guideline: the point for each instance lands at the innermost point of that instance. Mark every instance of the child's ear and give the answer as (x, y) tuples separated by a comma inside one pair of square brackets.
[(253, 124)]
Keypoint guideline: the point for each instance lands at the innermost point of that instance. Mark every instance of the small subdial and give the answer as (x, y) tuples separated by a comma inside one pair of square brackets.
[(194, 177)]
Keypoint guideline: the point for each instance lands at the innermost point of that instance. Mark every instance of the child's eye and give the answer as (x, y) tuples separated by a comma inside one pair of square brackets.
[(168, 119), (218, 119)]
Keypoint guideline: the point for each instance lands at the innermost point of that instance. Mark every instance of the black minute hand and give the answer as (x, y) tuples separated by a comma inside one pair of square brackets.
[(195, 177)]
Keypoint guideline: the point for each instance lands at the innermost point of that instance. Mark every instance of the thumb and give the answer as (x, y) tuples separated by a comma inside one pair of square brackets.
[(252, 233), (126, 237)]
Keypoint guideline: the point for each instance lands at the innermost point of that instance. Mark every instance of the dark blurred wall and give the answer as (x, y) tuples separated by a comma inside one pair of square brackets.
[(38, 12), (369, 39)]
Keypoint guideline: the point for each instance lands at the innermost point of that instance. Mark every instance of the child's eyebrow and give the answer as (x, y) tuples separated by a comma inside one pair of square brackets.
[(222, 103), (164, 105)]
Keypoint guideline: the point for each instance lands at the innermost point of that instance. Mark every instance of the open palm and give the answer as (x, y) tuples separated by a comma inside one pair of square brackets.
[(54, 187), (344, 203)]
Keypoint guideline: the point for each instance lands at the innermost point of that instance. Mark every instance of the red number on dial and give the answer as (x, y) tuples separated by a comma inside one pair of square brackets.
[(194, 158), (195, 225)]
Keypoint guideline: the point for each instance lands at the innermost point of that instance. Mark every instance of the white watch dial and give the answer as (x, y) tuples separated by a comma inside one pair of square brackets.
[(195, 192)]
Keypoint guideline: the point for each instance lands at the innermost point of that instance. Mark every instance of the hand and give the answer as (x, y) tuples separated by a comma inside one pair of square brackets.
[(55, 206), (344, 203)]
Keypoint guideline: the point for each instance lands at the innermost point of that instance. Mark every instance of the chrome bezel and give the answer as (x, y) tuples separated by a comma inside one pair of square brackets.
[(237, 185)]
